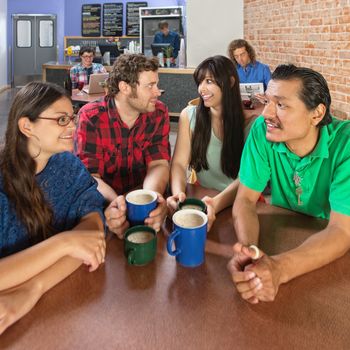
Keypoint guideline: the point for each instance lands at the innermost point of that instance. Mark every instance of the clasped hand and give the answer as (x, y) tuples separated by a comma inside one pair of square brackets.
[(116, 218), (255, 280)]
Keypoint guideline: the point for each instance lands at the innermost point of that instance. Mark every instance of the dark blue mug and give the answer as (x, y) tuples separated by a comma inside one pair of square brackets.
[(139, 204), (189, 237)]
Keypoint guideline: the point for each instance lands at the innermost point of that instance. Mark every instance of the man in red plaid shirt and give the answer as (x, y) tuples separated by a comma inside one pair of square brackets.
[(124, 140)]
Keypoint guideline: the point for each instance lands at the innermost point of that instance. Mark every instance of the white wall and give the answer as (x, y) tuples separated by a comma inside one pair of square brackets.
[(3, 38), (211, 25)]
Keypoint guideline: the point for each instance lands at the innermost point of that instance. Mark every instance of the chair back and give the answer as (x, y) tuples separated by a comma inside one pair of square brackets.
[(194, 102)]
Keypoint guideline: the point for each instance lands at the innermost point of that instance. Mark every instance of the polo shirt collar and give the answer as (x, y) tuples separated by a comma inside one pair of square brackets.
[(248, 66), (321, 150)]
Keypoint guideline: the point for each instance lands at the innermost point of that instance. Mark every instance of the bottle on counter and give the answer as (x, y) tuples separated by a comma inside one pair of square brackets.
[(182, 54), (67, 83), (161, 59)]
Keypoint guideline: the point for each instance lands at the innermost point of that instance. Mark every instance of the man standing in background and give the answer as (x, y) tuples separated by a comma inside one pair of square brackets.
[(166, 36)]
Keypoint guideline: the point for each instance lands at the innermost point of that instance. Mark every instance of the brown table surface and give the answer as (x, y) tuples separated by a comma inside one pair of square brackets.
[(166, 306), (86, 98)]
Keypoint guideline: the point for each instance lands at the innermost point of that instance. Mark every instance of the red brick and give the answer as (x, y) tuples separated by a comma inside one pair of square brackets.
[(312, 33)]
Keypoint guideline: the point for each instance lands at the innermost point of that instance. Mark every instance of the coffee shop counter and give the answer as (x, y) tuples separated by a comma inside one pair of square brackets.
[(178, 83)]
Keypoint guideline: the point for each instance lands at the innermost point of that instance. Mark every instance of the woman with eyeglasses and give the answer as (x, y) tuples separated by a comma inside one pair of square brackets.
[(81, 72), (51, 218)]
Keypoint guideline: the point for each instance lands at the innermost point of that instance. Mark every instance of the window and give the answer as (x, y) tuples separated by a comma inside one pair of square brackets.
[(24, 33), (46, 33)]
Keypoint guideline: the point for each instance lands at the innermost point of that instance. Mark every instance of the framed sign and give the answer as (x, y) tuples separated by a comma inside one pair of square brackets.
[(112, 19), (91, 20), (133, 18)]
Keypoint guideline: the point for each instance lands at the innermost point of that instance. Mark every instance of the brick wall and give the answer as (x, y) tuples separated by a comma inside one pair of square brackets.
[(312, 33)]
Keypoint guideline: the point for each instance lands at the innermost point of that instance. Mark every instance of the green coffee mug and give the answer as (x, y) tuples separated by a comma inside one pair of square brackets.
[(193, 203), (140, 245)]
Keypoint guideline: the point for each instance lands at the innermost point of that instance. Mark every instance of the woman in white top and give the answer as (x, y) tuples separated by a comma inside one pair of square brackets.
[(211, 136)]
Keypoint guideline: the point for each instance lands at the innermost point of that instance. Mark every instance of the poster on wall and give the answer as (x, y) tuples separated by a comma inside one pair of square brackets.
[(91, 20), (112, 19), (133, 18)]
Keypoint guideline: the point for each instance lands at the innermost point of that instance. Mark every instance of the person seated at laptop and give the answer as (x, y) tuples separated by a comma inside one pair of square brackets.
[(166, 36), (51, 216), (82, 71), (124, 139), (210, 137), (249, 69)]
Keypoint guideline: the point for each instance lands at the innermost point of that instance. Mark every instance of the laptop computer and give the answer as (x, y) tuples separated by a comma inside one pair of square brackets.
[(249, 89), (95, 86)]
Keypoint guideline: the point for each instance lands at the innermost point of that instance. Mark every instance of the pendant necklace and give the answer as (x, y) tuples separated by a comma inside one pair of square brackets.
[(298, 189)]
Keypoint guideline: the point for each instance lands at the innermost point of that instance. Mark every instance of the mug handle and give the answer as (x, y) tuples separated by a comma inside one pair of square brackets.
[(169, 244), (131, 256)]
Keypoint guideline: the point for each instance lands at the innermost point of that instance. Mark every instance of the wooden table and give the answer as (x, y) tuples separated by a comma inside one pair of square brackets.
[(166, 306), (85, 98)]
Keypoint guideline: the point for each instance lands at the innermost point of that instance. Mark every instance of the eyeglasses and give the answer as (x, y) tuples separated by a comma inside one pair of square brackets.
[(63, 120), (87, 56)]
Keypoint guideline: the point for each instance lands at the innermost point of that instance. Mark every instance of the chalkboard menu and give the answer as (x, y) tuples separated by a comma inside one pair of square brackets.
[(91, 20), (112, 19), (133, 18)]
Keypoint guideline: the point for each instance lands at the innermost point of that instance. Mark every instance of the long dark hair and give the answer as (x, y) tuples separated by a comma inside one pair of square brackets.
[(18, 167), (222, 70)]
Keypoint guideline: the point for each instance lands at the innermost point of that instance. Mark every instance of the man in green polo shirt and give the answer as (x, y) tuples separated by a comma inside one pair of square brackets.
[(305, 154)]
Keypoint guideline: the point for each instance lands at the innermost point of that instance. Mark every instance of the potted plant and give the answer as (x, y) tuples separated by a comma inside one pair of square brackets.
[(168, 53)]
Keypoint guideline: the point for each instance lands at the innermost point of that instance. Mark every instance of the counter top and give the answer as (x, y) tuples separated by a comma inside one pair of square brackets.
[(66, 65)]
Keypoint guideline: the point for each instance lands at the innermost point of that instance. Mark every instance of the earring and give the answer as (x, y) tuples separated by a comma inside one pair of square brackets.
[(39, 145)]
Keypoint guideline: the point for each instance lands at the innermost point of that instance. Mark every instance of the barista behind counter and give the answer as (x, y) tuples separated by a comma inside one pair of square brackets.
[(166, 36)]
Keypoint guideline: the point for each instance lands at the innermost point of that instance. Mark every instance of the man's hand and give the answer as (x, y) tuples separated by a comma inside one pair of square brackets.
[(173, 202), (157, 216), (269, 272), (256, 280), (246, 280), (115, 215)]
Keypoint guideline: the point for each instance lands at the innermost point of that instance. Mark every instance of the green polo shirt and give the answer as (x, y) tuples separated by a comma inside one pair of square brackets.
[(323, 175)]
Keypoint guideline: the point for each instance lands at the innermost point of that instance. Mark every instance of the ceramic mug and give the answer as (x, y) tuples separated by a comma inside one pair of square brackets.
[(189, 236), (139, 204), (193, 203), (140, 245)]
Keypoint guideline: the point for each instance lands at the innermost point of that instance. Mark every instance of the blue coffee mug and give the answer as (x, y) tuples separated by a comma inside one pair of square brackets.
[(139, 204), (189, 236)]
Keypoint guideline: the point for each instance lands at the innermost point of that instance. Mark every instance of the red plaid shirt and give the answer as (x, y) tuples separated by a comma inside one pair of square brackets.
[(118, 154)]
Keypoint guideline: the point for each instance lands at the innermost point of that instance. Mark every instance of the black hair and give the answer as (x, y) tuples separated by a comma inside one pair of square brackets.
[(88, 49), (314, 89), (225, 75)]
